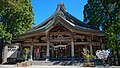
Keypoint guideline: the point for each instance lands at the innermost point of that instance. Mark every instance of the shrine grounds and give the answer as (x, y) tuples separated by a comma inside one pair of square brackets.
[(38, 66)]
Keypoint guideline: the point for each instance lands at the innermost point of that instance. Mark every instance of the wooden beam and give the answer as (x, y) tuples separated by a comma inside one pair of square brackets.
[(60, 33), (62, 40), (77, 43), (32, 35), (88, 33), (96, 43)]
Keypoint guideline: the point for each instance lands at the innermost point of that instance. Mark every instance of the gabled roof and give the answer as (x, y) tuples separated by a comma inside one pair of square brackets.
[(62, 10), (67, 20)]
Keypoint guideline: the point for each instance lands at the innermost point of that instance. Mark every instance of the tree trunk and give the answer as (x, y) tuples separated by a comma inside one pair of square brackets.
[(114, 55), (117, 51), (0, 53), (1, 46), (5, 54)]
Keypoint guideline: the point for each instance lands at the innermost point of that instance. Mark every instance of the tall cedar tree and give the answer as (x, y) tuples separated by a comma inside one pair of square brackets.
[(105, 14), (16, 17)]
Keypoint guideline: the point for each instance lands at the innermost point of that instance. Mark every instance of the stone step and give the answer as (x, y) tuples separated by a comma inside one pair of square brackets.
[(48, 63)]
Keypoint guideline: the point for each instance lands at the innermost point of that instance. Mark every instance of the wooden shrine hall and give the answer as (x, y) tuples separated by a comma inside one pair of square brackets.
[(62, 36)]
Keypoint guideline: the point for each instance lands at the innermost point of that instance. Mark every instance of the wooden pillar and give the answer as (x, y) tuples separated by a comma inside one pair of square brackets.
[(52, 51), (91, 49), (101, 44), (31, 52), (48, 46), (72, 48)]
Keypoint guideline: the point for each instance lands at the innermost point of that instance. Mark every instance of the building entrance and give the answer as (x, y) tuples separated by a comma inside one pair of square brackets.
[(39, 52), (60, 51)]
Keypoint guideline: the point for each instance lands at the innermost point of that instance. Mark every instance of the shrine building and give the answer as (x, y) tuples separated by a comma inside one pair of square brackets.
[(62, 36)]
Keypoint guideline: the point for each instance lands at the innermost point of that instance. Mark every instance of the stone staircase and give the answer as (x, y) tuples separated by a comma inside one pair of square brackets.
[(55, 62)]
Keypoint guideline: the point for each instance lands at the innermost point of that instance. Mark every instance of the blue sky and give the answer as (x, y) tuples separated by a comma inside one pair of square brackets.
[(44, 8)]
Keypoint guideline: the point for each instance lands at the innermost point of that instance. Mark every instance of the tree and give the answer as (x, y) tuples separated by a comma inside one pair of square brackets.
[(16, 17), (26, 53), (105, 14)]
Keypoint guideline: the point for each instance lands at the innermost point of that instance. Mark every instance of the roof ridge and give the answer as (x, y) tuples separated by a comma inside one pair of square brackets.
[(60, 5), (61, 8)]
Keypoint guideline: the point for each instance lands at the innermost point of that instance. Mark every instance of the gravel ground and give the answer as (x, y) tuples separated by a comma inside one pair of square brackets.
[(38, 66)]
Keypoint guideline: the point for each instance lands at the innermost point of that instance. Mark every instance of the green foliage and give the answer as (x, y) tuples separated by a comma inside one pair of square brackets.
[(26, 53), (88, 56), (105, 14), (3, 34), (16, 17), (113, 39)]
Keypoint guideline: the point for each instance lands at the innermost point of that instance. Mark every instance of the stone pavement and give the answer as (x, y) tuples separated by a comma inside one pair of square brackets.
[(38, 66)]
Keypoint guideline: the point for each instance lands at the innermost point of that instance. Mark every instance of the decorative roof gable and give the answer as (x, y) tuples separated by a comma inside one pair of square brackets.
[(67, 20)]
